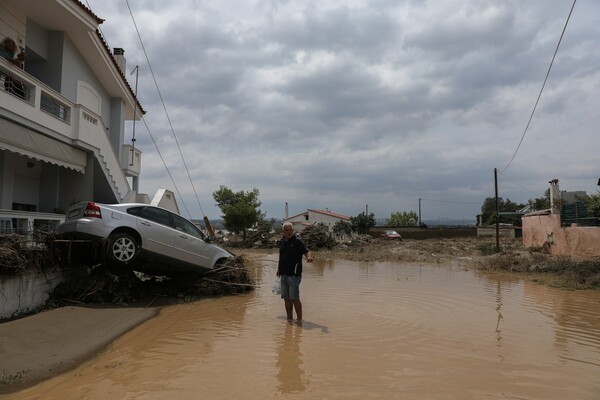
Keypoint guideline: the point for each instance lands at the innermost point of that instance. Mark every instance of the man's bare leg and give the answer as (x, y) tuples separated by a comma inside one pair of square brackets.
[(298, 307), (289, 309)]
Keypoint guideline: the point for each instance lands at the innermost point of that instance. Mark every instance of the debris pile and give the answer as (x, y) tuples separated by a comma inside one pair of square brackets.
[(317, 237), (104, 287), (16, 256)]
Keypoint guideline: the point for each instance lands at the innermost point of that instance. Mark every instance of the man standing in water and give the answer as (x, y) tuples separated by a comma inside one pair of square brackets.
[(291, 250)]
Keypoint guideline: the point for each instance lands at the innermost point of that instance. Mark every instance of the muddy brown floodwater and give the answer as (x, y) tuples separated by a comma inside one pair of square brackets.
[(372, 331)]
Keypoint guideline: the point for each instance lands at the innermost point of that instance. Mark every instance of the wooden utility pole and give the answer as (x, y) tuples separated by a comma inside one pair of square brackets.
[(497, 211)]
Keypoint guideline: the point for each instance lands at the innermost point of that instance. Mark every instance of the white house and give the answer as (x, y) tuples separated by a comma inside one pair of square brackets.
[(312, 217), (63, 113)]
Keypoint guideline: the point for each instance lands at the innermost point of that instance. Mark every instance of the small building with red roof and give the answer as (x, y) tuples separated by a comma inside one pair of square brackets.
[(312, 217)]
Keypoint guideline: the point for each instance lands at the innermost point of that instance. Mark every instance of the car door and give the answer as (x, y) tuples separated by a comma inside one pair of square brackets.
[(189, 243), (157, 235)]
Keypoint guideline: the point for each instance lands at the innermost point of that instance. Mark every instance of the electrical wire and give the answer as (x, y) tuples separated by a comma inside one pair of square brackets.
[(167, 168), (543, 85), (521, 186), (165, 109)]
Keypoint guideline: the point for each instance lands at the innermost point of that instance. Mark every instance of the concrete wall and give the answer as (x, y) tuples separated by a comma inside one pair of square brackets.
[(546, 231), (27, 292), (415, 232)]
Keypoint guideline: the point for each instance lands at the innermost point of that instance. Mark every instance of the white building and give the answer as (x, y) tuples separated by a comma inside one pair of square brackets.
[(312, 217), (62, 115)]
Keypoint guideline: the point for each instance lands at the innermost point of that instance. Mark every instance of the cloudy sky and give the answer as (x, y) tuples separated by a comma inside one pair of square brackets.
[(356, 104)]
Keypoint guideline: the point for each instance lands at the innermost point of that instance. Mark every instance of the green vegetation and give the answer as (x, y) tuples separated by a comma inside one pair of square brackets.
[(240, 209), (593, 204), (342, 228), (488, 211), (403, 219), (361, 223)]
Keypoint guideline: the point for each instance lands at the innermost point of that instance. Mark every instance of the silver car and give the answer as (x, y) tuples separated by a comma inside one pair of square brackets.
[(143, 237)]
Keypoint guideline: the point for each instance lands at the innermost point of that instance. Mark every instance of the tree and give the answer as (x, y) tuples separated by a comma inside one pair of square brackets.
[(488, 211), (403, 219), (240, 210), (592, 203), (540, 203), (361, 223), (342, 228)]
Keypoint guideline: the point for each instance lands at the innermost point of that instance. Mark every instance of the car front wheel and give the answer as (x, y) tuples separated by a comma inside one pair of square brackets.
[(122, 248)]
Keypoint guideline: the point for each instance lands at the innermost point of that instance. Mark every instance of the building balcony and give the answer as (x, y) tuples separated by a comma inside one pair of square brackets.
[(65, 126)]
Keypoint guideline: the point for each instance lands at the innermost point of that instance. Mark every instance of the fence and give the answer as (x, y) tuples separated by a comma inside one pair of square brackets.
[(35, 226)]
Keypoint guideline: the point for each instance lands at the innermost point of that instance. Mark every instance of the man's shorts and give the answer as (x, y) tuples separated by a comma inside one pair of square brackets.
[(290, 287)]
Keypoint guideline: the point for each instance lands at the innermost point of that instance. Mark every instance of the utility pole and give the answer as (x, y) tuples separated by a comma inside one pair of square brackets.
[(420, 212), (136, 70), (497, 211)]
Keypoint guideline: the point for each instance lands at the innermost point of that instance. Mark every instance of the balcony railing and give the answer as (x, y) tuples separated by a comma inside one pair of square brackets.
[(35, 226), (54, 107), (37, 102), (14, 86)]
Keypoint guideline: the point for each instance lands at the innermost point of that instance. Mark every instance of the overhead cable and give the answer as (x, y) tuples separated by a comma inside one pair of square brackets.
[(543, 85), (165, 108)]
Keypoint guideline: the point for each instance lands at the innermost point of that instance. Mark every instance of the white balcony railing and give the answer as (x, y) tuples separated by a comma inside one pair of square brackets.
[(35, 226), (32, 100)]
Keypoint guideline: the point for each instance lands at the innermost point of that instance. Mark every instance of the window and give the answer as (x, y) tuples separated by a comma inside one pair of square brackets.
[(183, 225), (156, 215)]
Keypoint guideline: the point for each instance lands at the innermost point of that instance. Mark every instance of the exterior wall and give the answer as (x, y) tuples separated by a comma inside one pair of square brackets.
[(327, 220), (299, 222), (417, 233), (491, 231), (49, 187), (545, 231), (12, 23), (75, 187), (311, 217), (26, 293)]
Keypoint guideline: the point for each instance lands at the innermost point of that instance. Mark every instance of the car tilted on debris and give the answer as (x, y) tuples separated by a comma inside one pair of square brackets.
[(143, 237)]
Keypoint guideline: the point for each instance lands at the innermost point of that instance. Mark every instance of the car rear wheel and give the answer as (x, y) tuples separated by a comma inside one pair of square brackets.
[(122, 248)]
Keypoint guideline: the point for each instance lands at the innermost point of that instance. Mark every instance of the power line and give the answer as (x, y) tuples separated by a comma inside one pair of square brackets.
[(166, 112), (167, 168), (543, 85), (521, 186)]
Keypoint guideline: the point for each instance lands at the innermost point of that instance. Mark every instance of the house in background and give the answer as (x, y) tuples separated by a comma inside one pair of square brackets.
[(62, 114), (566, 228), (312, 217)]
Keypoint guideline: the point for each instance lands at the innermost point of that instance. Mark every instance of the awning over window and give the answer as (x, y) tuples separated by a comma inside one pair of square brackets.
[(18, 139)]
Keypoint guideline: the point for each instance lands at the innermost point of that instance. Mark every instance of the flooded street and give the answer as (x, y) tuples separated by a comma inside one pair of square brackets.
[(371, 331)]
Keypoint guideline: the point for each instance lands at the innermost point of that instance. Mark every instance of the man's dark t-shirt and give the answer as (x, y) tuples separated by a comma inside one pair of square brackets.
[(290, 256)]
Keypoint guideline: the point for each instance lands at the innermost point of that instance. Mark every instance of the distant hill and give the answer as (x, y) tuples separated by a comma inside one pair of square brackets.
[(449, 222), (218, 223)]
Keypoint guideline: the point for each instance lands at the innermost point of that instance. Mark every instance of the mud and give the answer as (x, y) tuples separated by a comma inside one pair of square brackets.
[(372, 330)]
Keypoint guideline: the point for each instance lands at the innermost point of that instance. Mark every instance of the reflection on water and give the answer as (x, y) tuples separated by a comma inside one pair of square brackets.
[(289, 361), (371, 331)]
